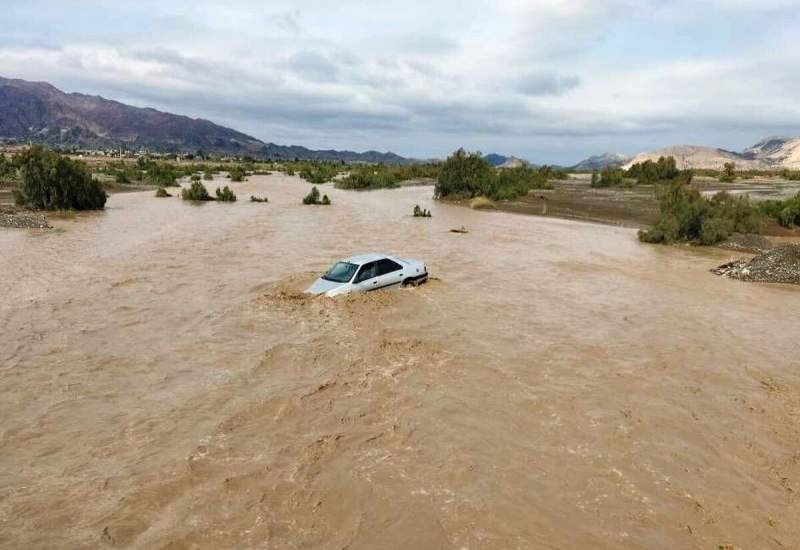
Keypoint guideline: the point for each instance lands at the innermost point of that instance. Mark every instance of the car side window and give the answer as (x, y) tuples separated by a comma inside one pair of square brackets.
[(368, 271), (388, 266)]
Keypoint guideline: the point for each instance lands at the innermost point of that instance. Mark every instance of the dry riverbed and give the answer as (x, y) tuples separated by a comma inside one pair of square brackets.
[(164, 383)]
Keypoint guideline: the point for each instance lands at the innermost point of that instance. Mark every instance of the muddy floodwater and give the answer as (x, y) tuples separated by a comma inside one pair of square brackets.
[(164, 384)]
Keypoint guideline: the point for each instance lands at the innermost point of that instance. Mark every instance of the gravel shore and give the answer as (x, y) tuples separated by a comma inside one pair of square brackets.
[(19, 218), (779, 265)]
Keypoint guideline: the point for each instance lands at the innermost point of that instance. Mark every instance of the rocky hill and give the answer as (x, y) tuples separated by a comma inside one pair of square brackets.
[(770, 153), (599, 162), (41, 113)]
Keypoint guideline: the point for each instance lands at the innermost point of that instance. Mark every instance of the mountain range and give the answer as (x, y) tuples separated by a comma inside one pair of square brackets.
[(41, 113), (772, 153)]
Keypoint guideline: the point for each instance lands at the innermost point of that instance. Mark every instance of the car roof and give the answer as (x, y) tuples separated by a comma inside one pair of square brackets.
[(361, 259)]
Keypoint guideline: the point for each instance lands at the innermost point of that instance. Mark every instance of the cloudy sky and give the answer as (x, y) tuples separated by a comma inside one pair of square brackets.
[(550, 80)]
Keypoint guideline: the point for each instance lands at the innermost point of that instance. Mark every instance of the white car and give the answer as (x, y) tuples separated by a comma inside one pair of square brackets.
[(369, 272)]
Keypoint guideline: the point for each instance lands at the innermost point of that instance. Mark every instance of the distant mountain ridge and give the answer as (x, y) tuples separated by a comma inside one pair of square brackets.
[(775, 152), (601, 162), (41, 113)]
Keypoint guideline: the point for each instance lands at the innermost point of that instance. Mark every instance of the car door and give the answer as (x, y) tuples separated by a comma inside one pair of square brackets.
[(367, 278), (390, 273)]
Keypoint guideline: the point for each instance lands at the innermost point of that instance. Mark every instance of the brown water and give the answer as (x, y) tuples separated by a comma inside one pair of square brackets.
[(558, 385)]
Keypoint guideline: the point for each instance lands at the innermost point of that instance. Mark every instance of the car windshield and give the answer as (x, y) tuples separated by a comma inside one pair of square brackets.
[(341, 272)]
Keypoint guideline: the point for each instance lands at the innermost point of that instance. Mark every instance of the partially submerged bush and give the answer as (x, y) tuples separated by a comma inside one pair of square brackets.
[(196, 192), (312, 197), (258, 199), (50, 181), (162, 193), (685, 215), (468, 175), (318, 172), (208, 176), (481, 203), (237, 173), (225, 194), (421, 212), (369, 177), (463, 175), (325, 200)]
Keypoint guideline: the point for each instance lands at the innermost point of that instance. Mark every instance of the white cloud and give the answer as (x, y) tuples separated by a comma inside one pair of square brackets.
[(421, 73)]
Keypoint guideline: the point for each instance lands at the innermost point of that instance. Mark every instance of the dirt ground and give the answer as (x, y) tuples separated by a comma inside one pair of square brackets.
[(635, 206)]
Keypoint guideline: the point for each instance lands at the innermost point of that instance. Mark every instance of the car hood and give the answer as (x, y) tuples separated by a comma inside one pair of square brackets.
[(322, 286)]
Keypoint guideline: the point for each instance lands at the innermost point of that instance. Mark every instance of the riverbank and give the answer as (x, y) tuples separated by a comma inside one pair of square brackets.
[(635, 207)]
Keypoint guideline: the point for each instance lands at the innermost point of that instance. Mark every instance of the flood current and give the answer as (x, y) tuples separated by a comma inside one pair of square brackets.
[(164, 383)]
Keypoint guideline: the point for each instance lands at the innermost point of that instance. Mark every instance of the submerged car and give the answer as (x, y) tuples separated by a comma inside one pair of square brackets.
[(369, 272)]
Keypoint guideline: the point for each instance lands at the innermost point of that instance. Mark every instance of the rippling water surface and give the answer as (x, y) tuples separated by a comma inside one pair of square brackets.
[(557, 385)]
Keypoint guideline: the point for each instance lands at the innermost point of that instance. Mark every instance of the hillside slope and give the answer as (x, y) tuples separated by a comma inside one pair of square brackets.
[(41, 113)]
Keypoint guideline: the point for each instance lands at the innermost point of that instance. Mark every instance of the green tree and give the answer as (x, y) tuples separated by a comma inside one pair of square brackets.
[(464, 175), (50, 181), (728, 174)]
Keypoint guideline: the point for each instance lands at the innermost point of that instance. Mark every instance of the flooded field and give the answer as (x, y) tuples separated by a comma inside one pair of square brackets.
[(164, 384)]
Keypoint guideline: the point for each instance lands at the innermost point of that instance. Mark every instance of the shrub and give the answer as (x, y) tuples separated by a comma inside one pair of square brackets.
[(421, 212), (318, 172), (685, 215), (649, 172), (609, 177), (258, 199), (791, 175), (786, 212), (196, 192), (208, 176), (510, 183), (226, 194), (369, 177), (7, 168), (463, 175), (50, 181), (160, 173), (325, 200), (468, 175), (312, 197), (162, 193), (195, 177), (728, 174), (237, 173)]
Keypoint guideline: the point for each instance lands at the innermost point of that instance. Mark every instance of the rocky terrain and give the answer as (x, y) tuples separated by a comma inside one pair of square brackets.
[(778, 265), (18, 218), (599, 162)]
